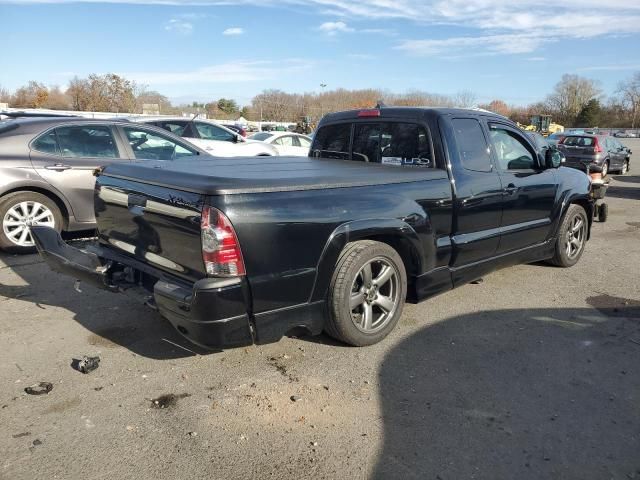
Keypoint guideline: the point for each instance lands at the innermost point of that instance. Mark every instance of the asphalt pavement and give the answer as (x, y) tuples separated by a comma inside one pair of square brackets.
[(532, 374)]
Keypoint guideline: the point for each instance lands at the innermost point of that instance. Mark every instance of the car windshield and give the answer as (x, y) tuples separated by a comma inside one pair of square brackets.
[(261, 136)]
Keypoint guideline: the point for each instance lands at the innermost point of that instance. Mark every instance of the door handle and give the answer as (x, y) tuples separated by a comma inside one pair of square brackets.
[(510, 189), (58, 167)]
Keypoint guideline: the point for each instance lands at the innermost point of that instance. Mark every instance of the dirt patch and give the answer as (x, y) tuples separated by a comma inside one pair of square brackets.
[(168, 400), (63, 406), (280, 364), (634, 224)]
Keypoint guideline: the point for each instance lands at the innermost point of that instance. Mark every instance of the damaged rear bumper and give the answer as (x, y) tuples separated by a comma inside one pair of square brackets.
[(212, 312)]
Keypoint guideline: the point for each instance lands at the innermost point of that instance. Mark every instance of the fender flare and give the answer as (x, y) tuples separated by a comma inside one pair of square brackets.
[(361, 230)]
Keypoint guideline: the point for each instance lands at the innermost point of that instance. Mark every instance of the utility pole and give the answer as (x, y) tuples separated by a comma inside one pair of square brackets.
[(322, 86)]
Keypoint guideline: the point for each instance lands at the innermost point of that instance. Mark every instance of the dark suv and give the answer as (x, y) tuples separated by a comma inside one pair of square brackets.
[(47, 165)]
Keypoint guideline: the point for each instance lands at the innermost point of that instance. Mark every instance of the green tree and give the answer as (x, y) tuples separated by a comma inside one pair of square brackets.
[(590, 114), (227, 105)]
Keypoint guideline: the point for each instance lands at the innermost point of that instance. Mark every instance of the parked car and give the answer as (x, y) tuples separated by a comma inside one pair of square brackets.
[(291, 144), (624, 134), (236, 128), (47, 166), (597, 152), (213, 138), (557, 137), (395, 205)]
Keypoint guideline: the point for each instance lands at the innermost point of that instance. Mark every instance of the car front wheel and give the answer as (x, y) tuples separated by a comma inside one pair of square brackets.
[(18, 212)]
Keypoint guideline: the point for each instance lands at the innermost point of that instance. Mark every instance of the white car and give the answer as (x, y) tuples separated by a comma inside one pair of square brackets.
[(287, 143), (217, 140)]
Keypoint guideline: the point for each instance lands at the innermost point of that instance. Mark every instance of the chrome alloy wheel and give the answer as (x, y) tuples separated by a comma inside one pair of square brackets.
[(576, 234), (375, 295), (23, 215)]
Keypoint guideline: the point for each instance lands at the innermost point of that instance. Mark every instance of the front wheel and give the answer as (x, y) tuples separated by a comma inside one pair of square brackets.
[(572, 237), (625, 168), (18, 212), (367, 293), (605, 168)]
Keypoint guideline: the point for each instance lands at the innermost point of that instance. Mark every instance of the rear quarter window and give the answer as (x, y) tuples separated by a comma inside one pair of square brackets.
[(47, 143)]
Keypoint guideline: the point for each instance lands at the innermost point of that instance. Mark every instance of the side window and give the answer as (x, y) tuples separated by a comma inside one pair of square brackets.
[(472, 145), (511, 151), (177, 128), (284, 141), (47, 143), (332, 141), (208, 131), (304, 142), (147, 145), (94, 141)]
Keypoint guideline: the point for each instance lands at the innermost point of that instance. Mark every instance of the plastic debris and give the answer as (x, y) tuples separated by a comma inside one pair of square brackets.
[(86, 364), (39, 388)]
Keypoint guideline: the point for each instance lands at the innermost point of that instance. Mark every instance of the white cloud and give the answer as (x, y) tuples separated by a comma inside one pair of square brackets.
[(231, 72), (360, 56), (536, 59), (492, 26), (233, 31), (333, 28), (180, 26)]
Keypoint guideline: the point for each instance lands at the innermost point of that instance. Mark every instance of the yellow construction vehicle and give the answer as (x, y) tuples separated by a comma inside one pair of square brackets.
[(543, 125)]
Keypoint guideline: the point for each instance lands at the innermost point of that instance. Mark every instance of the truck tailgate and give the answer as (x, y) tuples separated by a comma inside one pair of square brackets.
[(155, 224)]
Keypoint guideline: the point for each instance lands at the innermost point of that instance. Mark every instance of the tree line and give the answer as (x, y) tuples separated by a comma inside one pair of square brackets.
[(574, 102)]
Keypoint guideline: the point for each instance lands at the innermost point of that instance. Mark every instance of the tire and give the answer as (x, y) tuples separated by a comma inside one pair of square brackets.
[(605, 168), (377, 306), (570, 244), (603, 212), (625, 168), (14, 222)]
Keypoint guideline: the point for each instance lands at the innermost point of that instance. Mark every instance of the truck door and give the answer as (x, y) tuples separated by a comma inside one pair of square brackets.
[(478, 198), (529, 190), (66, 157)]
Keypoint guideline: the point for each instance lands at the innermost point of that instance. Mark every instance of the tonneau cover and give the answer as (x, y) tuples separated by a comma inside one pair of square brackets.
[(222, 176)]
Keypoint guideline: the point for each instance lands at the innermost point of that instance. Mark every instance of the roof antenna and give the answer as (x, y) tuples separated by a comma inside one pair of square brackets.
[(380, 104)]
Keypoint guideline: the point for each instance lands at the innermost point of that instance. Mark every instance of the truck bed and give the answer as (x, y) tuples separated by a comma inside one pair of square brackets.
[(226, 176)]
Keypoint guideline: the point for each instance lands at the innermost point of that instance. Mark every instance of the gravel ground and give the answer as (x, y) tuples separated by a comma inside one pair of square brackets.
[(534, 373)]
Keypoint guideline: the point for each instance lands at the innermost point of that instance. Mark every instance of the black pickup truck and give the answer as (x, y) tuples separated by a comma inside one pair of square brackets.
[(392, 205)]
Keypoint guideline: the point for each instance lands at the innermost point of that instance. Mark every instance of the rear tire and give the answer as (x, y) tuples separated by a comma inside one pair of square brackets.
[(367, 293), (18, 211), (572, 237), (605, 168)]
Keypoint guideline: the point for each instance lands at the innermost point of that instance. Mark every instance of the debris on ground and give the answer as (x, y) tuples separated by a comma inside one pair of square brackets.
[(86, 364), (478, 281), (168, 400), (20, 435), (296, 398), (39, 388), (36, 443)]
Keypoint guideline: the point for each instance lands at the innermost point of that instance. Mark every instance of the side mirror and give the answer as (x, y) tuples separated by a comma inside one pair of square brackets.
[(553, 158)]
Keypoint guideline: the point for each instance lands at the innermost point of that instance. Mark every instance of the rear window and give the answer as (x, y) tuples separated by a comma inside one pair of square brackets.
[(333, 141), (261, 136), (579, 141), (8, 125), (389, 143)]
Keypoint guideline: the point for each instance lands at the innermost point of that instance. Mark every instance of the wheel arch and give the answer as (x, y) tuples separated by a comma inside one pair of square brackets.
[(397, 234)]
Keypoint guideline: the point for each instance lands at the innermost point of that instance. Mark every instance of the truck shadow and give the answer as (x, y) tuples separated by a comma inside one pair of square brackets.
[(111, 319), (516, 394)]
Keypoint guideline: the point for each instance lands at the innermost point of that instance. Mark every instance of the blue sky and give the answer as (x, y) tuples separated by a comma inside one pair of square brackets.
[(514, 50)]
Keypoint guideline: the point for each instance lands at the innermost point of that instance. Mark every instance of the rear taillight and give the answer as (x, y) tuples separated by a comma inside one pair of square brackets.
[(220, 247), (596, 146)]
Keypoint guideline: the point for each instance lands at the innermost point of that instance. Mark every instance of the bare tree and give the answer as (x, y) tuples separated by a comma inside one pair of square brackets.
[(32, 95), (570, 95), (5, 95), (629, 90), (57, 99), (465, 99)]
